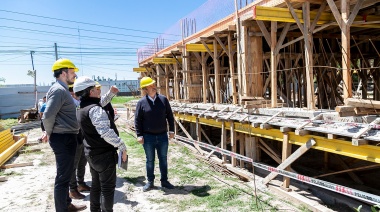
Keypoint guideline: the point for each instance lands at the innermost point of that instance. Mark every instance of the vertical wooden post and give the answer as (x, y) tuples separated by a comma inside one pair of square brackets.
[(273, 63), (217, 72), (254, 58), (159, 80), (224, 140), (308, 56), (204, 77), (185, 71), (242, 146), (286, 151), (346, 63), (176, 82), (198, 129), (167, 81), (232, 69), (326, 161), (233, 141)]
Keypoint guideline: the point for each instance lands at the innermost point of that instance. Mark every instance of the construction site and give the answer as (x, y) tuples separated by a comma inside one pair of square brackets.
[(286, 88), (271, 98)]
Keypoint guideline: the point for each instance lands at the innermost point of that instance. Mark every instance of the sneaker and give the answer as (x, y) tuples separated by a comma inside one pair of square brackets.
[(83, 187), (149, 185), (167, 184)]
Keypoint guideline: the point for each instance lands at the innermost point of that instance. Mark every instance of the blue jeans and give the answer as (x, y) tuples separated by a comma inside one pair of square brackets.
[(103, 172), (160, 143), (64, 147)]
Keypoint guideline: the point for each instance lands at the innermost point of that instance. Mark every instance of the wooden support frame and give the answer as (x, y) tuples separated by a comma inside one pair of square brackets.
[(293, 157)]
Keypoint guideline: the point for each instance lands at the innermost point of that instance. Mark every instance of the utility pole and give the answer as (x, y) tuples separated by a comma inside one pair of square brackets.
[(56, 52), (35, 79)]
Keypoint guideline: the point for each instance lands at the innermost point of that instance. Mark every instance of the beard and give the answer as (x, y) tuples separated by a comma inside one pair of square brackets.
[(68, 81)]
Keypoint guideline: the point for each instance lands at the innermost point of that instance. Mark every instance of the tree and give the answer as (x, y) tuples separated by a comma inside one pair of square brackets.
[(2, 79)]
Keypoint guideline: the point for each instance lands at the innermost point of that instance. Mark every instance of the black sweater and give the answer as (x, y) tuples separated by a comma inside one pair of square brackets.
[(150, 117)]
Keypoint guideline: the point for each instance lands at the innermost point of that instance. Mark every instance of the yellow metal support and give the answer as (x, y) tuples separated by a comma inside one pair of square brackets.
[(165, 60), (340, 147), (193, 47), (283, 15), (142, 69)]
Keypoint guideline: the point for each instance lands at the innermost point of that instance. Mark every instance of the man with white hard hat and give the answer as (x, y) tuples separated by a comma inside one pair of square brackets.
[(101, 140)]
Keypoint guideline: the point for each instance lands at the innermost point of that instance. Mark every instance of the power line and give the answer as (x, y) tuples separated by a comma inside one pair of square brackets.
[(69, 35), (87, 30), (78, 22)]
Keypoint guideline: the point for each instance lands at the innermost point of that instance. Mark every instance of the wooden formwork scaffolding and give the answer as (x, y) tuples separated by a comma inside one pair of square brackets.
[(273, 58)]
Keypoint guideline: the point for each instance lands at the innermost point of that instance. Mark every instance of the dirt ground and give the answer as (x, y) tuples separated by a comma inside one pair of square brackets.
[(198, 188)]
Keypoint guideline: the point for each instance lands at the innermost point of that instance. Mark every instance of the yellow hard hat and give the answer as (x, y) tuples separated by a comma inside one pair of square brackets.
[(63, 63), (146, 81)]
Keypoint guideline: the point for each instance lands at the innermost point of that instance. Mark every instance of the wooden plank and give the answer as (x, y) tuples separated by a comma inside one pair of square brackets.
[(293, 157), (15, 165), (344, 108), (286, 152), (366, 103)]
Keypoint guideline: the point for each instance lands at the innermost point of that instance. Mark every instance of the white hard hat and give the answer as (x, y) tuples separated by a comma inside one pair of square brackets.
[(82, 83)]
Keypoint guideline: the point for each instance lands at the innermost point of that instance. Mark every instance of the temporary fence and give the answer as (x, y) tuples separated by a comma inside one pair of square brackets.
[(364, 196)]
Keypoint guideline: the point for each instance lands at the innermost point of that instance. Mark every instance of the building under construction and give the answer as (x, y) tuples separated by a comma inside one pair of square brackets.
[(294, 84)]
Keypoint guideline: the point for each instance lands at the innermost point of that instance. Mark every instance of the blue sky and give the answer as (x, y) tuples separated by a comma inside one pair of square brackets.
[(100, 37)]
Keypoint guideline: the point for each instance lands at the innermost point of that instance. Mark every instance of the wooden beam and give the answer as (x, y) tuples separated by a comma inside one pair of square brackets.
[(351, 174), (335, 12), (264, 31), (293, 157), (292, 11), (15, 165), (273, 61), (286, 152), (349, 170), (223, 141), (354, 12)]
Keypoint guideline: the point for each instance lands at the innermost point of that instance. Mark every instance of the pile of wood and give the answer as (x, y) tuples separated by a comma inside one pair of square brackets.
[(358, 107), (9, 145)]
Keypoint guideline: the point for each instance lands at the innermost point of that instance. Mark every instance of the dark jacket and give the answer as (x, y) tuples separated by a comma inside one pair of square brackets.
[(150, 117), (94, 144)]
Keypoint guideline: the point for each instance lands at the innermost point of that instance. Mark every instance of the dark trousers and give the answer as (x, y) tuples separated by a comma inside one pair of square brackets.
[(161, 144), (103, 172), (64, 147), (77, 176)]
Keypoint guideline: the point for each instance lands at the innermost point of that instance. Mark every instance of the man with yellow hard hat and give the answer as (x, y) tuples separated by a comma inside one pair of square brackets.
[(61, 128), (152, 112)]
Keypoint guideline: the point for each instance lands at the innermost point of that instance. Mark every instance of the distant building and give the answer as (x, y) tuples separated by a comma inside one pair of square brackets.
[(126, 87)]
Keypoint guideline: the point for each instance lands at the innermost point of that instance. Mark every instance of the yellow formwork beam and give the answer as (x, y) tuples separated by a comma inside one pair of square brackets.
[(142, 69), (340, 147), (194, 47), (283, 15), (12, 150), (165, 60)]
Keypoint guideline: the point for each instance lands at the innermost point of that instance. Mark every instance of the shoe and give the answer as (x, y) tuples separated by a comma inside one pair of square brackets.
[(76, 195), (167, 185), (72, 207), (83, 187), (148, 186)]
